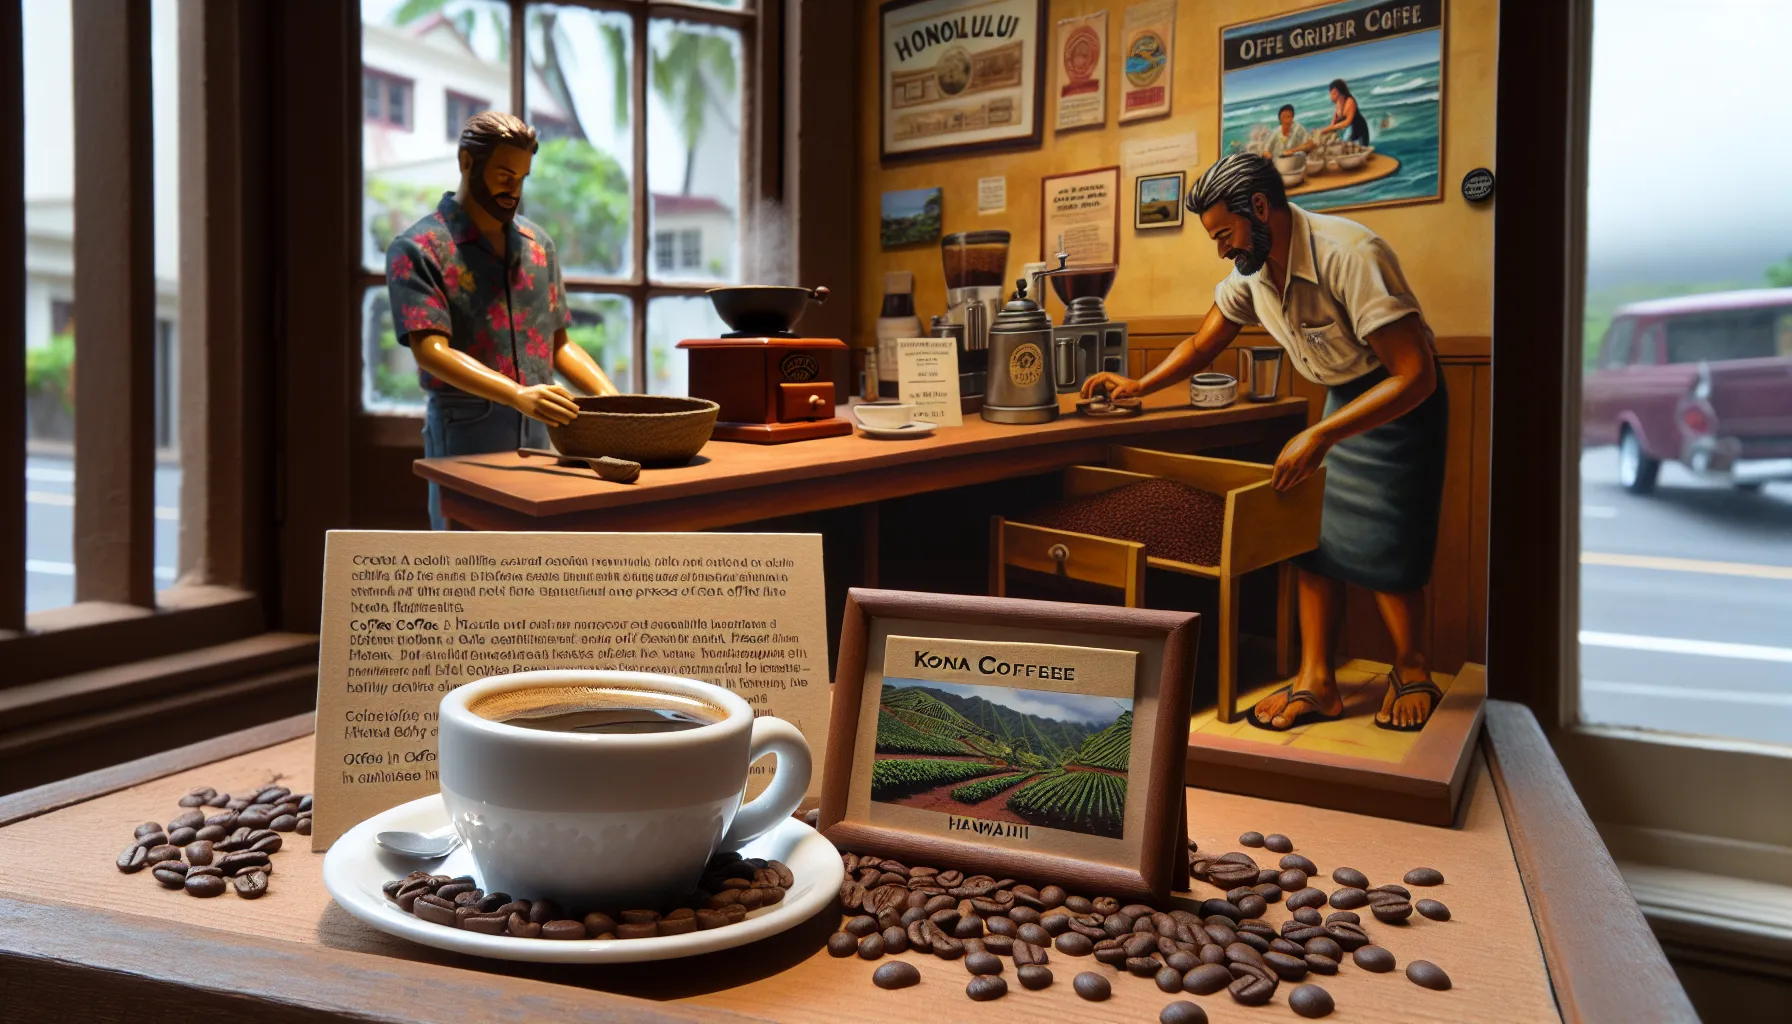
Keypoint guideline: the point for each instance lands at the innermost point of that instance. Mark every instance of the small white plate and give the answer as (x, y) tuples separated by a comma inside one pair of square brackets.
[(356, 867), (913, 428)]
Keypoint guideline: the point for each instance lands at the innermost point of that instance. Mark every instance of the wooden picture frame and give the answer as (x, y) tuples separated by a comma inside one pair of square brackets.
[(1145, 864), (1031, 29), (1174, 219), (1048, 237)]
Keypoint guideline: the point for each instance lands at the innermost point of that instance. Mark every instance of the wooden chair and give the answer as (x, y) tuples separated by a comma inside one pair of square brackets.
[(1079, 557)]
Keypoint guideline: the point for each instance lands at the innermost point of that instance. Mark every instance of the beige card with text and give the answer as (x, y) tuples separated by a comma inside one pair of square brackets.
[(408, 616), (927, 378)]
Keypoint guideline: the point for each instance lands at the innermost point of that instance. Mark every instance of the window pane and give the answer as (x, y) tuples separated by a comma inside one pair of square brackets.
[(463, 44), (603, 325), (694, 114), (49, 306), (670, 320), (577, 93), (389, 373), (1686, 473), (164, 35)]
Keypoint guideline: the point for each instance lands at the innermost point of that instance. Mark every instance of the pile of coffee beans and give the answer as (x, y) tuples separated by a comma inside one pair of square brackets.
[(891, 908), (729, 889), (1172, 520), (206, 853)]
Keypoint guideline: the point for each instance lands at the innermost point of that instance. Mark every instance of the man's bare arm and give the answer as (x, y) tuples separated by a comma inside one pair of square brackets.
[(549, 403), (1194, 352)]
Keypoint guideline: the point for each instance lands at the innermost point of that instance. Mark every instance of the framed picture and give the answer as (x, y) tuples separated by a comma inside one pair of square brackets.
[(1348, 95), (959, 76), (1079, 214), (1157, 201), (1037, 740), (911, 216)]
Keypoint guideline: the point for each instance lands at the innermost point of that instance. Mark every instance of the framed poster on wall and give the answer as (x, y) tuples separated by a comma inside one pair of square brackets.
[(958, 76), (1079, 214), (1349, 97)]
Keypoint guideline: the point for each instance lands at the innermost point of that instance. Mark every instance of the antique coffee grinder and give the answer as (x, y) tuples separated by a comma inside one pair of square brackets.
[(772, 385), (1087, 342), (1020, 379), (975, 264)]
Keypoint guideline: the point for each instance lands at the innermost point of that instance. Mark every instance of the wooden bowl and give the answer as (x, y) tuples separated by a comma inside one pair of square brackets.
[(654, 430)]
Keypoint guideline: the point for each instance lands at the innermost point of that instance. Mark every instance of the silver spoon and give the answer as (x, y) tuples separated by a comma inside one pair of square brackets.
[(421, 845)]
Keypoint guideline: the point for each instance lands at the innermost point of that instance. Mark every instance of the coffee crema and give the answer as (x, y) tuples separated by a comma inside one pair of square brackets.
[(593, 710)]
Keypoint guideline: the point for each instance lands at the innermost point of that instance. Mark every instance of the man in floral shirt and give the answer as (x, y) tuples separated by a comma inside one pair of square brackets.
[(476, 294)]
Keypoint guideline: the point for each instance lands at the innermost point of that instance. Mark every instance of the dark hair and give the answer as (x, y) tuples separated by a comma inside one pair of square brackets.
[(1287, 108), (1338, 84), (489, 129), (1233, 180)]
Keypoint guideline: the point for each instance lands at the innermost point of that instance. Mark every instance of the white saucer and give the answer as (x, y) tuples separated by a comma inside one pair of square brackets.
[(913, 428), (356, 868)]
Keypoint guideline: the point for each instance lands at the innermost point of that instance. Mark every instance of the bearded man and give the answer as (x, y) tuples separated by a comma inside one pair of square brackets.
[(476, 294), (1332, 294)]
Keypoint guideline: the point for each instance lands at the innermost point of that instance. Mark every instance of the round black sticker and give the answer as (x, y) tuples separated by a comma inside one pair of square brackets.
[(799, 367), (1477, 185)]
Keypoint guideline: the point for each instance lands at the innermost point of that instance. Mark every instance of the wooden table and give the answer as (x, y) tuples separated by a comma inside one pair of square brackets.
[(1543, 928), (730, 483)]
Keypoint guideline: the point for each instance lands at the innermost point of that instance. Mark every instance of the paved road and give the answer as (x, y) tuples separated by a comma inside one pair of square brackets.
[(50, 530), (1686, 604)]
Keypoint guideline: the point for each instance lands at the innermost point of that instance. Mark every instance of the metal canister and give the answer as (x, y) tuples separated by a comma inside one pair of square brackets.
[(1260, 372), (1020, 388)]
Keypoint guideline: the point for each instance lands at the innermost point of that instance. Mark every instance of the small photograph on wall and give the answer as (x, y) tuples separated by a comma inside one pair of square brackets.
[(1158, 201), (1346, 98), (911, 216)]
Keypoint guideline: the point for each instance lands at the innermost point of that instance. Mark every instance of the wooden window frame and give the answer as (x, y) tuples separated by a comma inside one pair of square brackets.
[(759, 23), (466, 101), (387, 80), (1697, 804)]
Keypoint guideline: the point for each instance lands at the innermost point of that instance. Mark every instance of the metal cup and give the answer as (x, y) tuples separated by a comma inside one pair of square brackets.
[(1260, 371)]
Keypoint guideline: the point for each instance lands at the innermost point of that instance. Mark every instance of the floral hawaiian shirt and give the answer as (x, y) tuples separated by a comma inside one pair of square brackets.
[(443, 276)]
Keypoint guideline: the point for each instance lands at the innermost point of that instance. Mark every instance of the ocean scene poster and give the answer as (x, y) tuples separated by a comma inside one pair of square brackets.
[(1389, 58)]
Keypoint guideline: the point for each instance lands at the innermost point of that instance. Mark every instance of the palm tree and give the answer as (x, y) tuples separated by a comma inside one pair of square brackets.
[(689, 75)]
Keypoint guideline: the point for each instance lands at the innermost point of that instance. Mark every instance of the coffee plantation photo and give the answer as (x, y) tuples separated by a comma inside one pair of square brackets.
[(998, 753)]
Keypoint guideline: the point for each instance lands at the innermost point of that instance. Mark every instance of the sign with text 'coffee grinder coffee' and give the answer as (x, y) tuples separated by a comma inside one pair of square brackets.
[(409, 616)]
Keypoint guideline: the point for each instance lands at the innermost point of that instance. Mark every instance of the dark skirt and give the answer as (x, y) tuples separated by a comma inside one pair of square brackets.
[(1383, 492)]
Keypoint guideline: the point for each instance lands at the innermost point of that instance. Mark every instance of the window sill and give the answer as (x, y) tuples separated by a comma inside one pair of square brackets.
[(1732, 923), (93, 635)]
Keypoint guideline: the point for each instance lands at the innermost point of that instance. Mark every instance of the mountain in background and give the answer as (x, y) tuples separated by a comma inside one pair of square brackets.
[(1050, 738)]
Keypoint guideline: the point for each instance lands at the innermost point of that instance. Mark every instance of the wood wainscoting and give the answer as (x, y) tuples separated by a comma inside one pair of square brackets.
[(1458, 590)]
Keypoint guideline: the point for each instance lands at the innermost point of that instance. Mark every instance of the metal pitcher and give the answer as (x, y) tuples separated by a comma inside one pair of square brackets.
[(1260, 371)]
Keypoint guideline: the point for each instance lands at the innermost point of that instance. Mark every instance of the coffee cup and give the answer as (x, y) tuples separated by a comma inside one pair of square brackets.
[(884, 415), (606, 789)]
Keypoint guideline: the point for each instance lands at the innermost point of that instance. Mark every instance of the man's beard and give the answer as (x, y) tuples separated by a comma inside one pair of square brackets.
[(488, 200), (1249, 262)]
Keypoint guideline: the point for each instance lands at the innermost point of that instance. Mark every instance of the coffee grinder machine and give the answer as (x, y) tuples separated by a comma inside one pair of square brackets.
[(976, 264), (1087, 342)]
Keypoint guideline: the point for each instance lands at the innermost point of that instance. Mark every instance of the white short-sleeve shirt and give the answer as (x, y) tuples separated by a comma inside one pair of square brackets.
[(1344, 283)]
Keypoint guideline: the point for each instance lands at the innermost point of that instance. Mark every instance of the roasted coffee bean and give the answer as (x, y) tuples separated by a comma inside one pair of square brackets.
[(1268, 876), (1285, 946), (917, 937), (1241, 953), (896, 974), (1374, 958), (198, 853), (949, 879), (1139, 945), (237, 803), (1251, 839), (1055, 924), (1392, 911), (223, 819), (1351, 878), (673, 924), (1238, 857), (1117, 925), (243, 860), (938, 903), (1433, 909), (1349, 937), (1182, 1012), (706, 919), (1092, 986), (1308, 897), (249, 817), (1424, 876), (1206, 979), (1035, 934), (1025, 953), (1295, 860), (1397, 890), (453, 889), (1253, 905), (205, 886), (860, 926), (1105, 905), (1278, 843), (1294, 931), (997, 925), (1213, 954), (1426, 974), (1269, 892), (170, 875), (1321, 964), (1034, 976), (164, 852), (1256, 942), (945, 946), (1024, 915), (182, 836), (217, 799), (151, 840), (852, 895), (1183, 960), (1288, 968), (1349, 898), (543, 911), (133, 859), (1254, 986), (911, 915), (983, 963), (1223, 934), (191, 819), (1198, 865), (1324, 945), (1141, 966), (871, 946), (983, 988), (1168, 979), (1310, 1001), (895, 939), (272, 794), (1343, 915), (1079, 905), (252, 885), (485, 924), (1222, 907), (843, 944), (1308, 915), (638, 930), (521, 927), (1113, 956), (1237, 893), (147, 828), (197, 797), (284, 823), (211, 834), (1292, 880), (305, 802), (968, 927)]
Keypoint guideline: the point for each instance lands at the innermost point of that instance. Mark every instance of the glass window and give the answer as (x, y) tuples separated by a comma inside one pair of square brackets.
[(662, 250), (1686, 479), (461, 108), (693, 144), (1615, 350), (603, 325), (390, 383), (670, 320)]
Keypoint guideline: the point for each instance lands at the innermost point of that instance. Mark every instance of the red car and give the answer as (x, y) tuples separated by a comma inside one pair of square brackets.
[(1705, 380)]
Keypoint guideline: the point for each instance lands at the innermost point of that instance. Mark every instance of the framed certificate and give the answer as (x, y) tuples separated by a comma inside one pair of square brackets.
[(958, 76)]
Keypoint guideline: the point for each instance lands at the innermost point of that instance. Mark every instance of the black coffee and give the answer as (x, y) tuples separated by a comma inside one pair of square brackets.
[(613, 721)]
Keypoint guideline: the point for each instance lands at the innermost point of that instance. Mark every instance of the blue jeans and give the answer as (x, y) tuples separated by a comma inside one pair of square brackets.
[(456, 423)]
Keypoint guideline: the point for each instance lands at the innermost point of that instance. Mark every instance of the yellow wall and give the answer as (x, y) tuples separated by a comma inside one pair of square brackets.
[(1445, 247)]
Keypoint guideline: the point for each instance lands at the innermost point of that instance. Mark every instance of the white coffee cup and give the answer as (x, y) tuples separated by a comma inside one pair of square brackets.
[(884, 415), (609, 821)]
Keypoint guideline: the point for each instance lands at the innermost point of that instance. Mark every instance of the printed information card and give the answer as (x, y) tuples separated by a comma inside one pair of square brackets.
[(928, 379), (409, 616)]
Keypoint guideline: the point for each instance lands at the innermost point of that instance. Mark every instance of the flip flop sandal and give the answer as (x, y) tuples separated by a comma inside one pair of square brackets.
[(1303, 718), (1401, 689)]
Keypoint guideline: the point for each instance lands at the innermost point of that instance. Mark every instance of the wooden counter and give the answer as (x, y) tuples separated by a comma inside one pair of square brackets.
[(730, 483), (1542, 927)]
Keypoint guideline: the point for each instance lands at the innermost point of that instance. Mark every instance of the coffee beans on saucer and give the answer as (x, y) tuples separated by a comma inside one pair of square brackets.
[(205, 851)]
